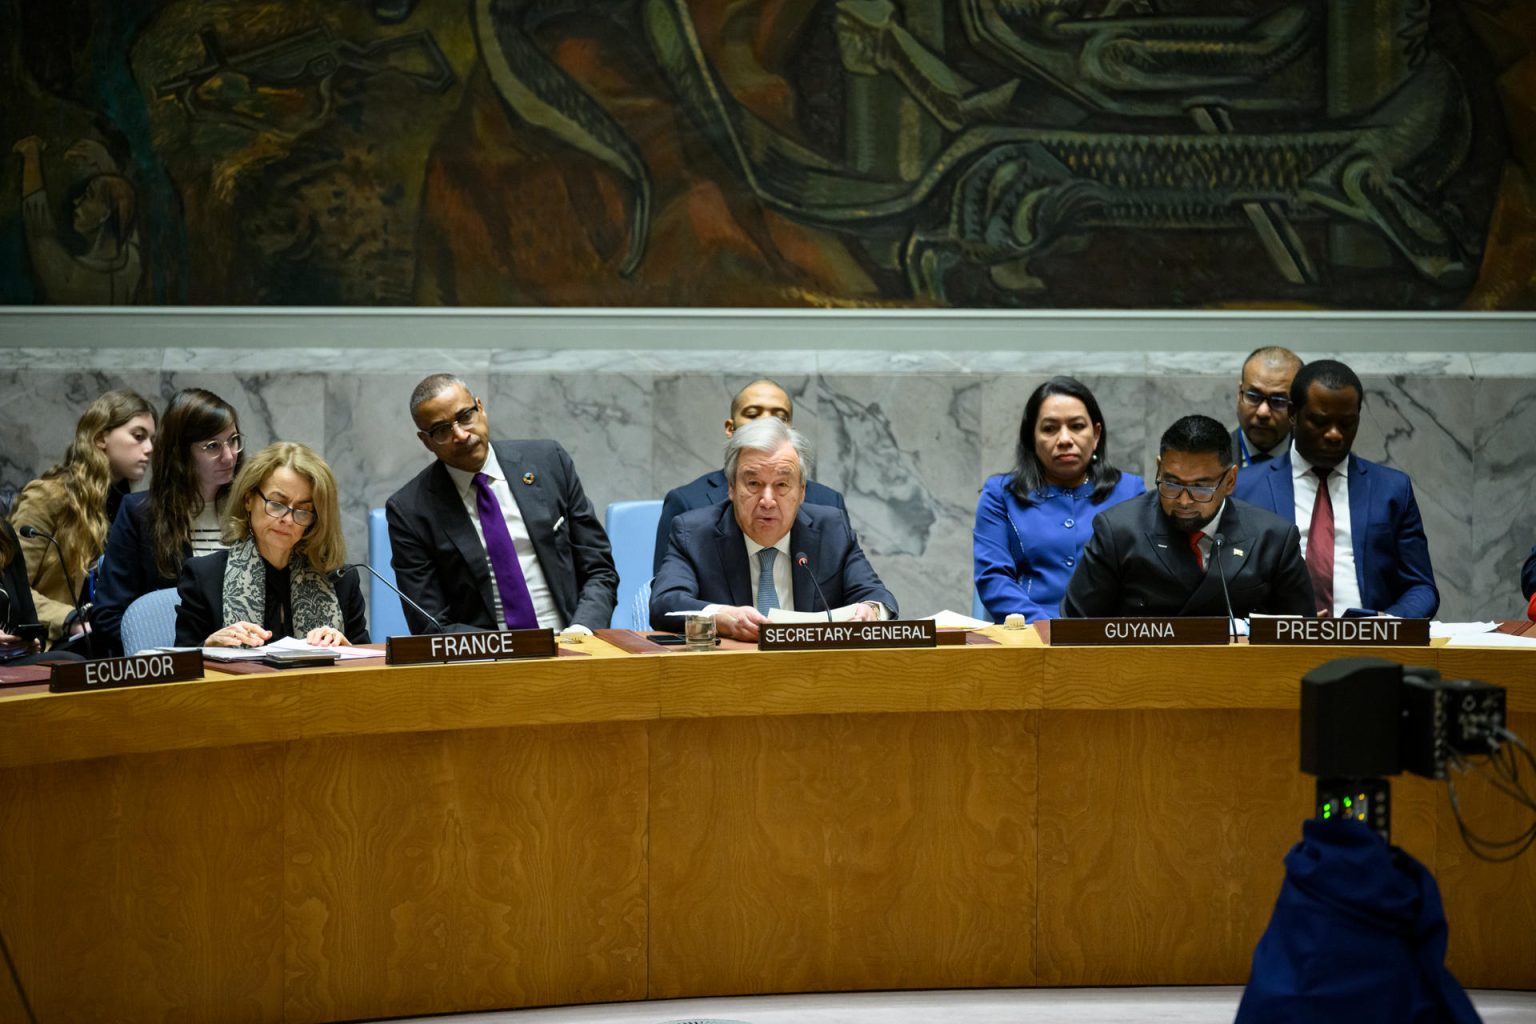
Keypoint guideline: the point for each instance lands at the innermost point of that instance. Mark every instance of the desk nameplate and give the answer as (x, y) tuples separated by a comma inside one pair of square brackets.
[(134, 670), (490, 645), (1371, 632), (1111, 632), (833, 636)]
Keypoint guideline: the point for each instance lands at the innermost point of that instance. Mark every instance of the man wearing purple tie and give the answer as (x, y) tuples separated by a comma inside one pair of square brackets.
[(495, 535)]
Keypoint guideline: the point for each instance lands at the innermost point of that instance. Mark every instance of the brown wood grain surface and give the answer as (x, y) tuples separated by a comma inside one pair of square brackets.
[(370, 841)]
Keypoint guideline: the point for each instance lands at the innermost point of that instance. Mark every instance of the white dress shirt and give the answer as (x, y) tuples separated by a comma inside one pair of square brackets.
[(1346, 588), (533, 573)]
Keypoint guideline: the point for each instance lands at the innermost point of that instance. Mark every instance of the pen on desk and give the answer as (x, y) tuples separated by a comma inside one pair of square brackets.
[(558, 523)]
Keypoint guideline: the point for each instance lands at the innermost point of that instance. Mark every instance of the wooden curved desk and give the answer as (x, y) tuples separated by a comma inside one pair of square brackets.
[(369, 842)]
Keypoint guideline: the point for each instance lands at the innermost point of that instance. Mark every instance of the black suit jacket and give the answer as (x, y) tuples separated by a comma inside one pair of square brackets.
[(711, 489), (201, 612), (1137, 564), (706, 563), (441, 565), (128, 570), (1528, 576)]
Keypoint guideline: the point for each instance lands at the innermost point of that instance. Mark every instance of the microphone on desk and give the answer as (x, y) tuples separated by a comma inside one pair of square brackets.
[(805, 563), (80, 616), (437, 627), (1217, 540)]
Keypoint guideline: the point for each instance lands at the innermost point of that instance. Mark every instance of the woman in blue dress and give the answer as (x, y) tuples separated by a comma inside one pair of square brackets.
[(1031, 524)]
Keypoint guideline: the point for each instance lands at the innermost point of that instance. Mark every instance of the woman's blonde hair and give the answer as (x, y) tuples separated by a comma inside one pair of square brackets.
[(322, 544), (85, 474)]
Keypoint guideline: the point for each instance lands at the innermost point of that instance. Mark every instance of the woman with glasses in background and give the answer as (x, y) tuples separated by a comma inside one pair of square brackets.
[(195, 459), (284, 535), (1032, 523), (74, 503)]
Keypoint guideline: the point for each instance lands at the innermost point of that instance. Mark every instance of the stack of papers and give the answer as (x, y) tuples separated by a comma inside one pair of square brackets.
[(286, 644)]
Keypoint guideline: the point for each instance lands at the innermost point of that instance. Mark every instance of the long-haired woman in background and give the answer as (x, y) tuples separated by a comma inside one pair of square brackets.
[(195, 459), (74, 502)]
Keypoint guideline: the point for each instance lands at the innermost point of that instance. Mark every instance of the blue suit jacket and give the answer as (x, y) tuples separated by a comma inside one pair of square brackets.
[(712, 489), (706, 563), (1391, 552)]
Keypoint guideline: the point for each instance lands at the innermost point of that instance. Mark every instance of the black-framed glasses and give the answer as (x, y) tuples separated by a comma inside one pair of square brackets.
[(276, 509), (1173, 488), (1278, 401), (212, 448), (441, 433)]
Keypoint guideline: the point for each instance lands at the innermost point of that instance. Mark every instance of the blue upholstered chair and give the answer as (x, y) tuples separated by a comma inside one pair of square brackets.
[(150, 621), (385, 616), (979, 610), (631, 527)]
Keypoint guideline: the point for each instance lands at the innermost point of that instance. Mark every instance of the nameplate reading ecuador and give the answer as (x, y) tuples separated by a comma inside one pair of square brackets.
[(491, 645), (1101, 632), (823, 636), (1370, 632), (134, 670)]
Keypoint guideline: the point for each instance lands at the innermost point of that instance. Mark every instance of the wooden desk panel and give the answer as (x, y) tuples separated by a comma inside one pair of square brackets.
[(371, 841), (826, 853)]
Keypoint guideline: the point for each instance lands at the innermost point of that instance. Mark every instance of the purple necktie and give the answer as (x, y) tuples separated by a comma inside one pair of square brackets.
[(516, 603)]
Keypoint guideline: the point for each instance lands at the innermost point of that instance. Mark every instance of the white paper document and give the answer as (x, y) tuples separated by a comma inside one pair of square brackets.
[(1446, 630), (790, 616), (947, 619), (287, 644), (1492, 640)]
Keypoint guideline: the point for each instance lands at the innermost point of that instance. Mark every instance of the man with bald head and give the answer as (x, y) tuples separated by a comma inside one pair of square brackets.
[(759, 549), (495, 534), (1264, 406), (762, 397)]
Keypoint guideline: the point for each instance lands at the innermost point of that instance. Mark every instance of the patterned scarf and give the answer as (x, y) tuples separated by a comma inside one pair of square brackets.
[(245, 591)]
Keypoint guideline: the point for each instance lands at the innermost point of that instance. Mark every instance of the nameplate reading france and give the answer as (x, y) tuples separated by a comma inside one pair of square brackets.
[(1363, 632), (822, 636), (492, 645), (134, 670), (1101, 632)]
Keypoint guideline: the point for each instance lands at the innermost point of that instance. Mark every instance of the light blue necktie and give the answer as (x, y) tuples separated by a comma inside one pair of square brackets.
[(767, 596)]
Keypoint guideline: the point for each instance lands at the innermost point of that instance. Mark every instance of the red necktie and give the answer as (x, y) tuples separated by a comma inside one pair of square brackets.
[(1194, 545), (1320, 546)]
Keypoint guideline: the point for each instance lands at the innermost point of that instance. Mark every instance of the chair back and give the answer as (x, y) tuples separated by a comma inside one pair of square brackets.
[(979, 610), (631, 527), (386, 617), (150, 621)]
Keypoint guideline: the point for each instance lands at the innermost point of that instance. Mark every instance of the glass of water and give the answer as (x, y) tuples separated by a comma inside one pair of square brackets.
[(700, 632)]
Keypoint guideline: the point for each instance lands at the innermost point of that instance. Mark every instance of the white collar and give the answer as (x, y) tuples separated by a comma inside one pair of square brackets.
[(464, 479)]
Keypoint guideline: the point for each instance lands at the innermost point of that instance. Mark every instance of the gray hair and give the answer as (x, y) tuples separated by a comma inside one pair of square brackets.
[(431, 387), (767, 434)]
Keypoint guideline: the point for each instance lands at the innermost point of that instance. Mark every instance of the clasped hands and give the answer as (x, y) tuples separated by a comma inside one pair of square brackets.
[(248, 634), (741, 622)]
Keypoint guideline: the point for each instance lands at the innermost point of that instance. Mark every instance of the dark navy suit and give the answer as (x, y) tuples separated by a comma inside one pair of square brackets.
[(1528, 576), (1392, 564), (128, 570), (712, 489), (1138, 564), (706, 563)]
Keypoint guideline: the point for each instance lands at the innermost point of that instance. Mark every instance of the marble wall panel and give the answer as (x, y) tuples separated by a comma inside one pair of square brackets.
[(905, 452), (908, 440), (1502, 495)]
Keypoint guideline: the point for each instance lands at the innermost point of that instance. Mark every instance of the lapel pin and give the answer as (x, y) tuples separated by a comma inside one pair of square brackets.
[(528, 479), (1238, 552)]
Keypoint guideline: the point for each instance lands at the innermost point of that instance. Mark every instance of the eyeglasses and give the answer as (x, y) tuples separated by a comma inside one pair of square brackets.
[(276, 509), (1277, 401), (212, 448), (443, 432), (1173, 488)]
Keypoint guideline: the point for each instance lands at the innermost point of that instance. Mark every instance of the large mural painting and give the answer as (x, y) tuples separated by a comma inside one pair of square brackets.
[(1374, 154)]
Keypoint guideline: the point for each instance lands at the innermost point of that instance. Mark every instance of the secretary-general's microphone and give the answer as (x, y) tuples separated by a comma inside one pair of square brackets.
[(1216, 542), (437, 627), (805, 563), (85, 623)]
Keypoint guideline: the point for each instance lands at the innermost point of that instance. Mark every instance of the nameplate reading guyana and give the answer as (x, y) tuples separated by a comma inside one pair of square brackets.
[(134, 670), (1100, 632), (823, 636), (492, 645), (1352, 632)]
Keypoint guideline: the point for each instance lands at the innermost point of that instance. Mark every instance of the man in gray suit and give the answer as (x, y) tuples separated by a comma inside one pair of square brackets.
[(1264, 406), (495, 535)]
